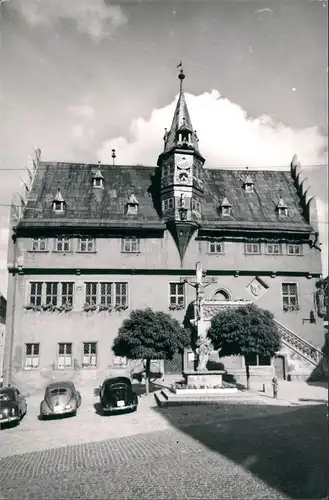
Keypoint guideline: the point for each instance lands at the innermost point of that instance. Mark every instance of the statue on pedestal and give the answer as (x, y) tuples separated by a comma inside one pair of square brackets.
[(203, 350)]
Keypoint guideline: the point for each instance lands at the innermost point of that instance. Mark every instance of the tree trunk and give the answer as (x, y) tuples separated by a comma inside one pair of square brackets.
[(147, 376), (247, 374)]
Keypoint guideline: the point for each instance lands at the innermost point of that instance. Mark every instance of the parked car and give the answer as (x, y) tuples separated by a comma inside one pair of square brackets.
[(13, 405), (117, 394), (61, 398)]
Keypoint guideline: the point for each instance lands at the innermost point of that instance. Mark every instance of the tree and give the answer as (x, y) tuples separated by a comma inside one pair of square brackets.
[(243, 331), (148, 335)]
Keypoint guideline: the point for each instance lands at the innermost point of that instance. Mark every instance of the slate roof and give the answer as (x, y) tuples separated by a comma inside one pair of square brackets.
[(86, 205)]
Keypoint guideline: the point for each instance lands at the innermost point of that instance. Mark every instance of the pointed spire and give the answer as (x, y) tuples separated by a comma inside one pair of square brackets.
[(181, 133)]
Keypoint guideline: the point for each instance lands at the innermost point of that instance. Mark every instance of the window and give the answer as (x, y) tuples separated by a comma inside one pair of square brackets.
[(256, 360), (252, 248), (294, 249), (121, 294), (98, 182), (165, 170), (32, 352), (62, 244), (91, 293), (249, 188), (51, 293), (221, 295), (273, 248), (226, 210), (168, 204), (89, 354), (215, 247), (196, 205), (64, 356), (39, 244), (282, 211), (131, 244), (289, 296), (36, 293), (58, 206), (86, 245), (176, 294), (106, 294), (67, 293)]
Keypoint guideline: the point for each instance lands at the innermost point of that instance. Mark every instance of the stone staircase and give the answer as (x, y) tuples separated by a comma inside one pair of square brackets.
[(313, 356)]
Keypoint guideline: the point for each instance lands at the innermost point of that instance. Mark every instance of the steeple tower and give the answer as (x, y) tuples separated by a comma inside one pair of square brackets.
[(181, 165)]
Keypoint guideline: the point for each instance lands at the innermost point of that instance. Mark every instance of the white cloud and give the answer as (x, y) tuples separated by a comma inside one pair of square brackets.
[(227, 138), (91, 17)]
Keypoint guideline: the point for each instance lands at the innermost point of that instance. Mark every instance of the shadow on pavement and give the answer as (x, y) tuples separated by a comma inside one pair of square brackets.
[(285, 447)]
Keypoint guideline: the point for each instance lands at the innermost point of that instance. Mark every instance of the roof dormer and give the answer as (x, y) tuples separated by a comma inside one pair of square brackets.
[(248, 184), (281, 207), (58, 202), (132, 205), (225, 207), (98, 179)]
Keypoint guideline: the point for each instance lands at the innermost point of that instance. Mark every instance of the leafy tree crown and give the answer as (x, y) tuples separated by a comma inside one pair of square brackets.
[(245, 330), (149, 334)]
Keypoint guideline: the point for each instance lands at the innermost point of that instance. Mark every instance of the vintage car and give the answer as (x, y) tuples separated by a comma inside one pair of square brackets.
[(12, 405), (61, 398), (116, 394)]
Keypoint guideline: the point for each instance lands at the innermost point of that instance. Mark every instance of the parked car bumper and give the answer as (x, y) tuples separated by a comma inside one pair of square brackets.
[(117, 409), (52, 413), (7, 419)]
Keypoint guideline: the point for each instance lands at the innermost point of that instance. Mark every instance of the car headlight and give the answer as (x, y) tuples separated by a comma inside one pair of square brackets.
[(68, 407), (13, 411), (5, 411)]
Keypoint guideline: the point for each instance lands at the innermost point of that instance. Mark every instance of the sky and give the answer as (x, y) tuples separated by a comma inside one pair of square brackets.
[(81, 77)]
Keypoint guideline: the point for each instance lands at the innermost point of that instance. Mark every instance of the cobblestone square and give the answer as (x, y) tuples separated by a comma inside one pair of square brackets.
[(225, 450)]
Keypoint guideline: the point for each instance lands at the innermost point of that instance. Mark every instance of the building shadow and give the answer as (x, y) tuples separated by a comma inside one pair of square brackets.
[(286, 447)]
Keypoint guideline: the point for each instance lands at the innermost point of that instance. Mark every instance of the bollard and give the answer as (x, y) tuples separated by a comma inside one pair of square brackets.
[(264, 388), (275, 387)]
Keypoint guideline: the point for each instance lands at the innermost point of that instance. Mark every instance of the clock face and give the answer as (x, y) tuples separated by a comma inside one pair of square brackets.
[(184, 168), (183, 164)]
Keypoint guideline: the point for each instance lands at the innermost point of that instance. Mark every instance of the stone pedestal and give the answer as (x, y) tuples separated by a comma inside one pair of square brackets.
[(204, 378)]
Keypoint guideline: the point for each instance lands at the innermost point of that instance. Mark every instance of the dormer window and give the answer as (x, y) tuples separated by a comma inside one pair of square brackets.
[(248, 184), (132, 205), (225, 207), (98, 179), (58, 202), (281, 208)]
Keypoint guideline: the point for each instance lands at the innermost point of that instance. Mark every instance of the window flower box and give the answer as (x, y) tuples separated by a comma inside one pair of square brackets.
[(89, 307), (32, 307), (64, 307), (48, 307), (104, 307), (287, 308), (120, 308), (176, 307)]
